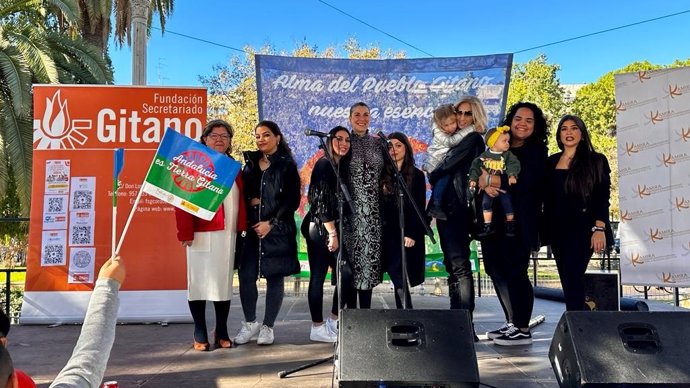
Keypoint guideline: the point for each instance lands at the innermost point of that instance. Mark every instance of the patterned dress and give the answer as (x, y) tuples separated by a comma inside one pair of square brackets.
[(363, 227)]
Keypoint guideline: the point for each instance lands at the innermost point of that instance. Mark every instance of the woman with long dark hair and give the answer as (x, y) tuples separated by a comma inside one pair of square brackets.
[(578, 187), (320, 230), (507, 258), (413, 240), (272, 194)]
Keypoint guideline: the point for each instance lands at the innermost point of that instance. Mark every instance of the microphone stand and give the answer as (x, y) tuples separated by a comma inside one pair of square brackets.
[(402, 191), (343, 197)]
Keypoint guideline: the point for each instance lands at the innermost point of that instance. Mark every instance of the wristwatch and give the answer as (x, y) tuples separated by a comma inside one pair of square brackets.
[(598, 229)]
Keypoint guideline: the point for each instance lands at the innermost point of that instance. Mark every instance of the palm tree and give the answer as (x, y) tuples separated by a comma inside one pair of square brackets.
[(35, 49), (96, 26)]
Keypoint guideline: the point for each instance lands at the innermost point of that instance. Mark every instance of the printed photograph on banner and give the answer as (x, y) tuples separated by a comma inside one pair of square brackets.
[(82, 194), (53, 248), (81, 228), (57, 177), (54, 212), (81, 265)]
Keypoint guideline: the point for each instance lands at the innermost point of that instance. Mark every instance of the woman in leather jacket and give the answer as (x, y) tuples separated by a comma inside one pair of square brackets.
[(272, 194), (454, 231)]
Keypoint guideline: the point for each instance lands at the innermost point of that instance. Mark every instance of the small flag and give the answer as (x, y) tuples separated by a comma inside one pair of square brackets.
[(190, 175), (118, 164)]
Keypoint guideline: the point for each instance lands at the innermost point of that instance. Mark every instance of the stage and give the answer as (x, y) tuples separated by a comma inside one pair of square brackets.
[(155, 356)]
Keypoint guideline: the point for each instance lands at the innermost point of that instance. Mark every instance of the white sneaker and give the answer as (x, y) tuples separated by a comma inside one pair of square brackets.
[(322, 334), (332, 325), (265, 336), (247, 332)]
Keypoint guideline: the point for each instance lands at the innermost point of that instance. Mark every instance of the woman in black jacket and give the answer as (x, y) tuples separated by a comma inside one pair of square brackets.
[(506, 258), (320, 231), (272, 194), (454, 232), (402, 154), (577, 189)]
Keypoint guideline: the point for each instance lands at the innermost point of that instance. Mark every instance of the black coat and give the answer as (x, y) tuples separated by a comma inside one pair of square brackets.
[(457, 164), (414, 229), (280, 196)]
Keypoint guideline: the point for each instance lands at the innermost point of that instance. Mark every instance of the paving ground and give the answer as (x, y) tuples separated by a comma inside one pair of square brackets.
[(155, 356)]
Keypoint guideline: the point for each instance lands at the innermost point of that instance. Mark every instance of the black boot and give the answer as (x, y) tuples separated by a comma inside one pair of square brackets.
[(510, 228), (436, 211), (486, 230), (454, 293)]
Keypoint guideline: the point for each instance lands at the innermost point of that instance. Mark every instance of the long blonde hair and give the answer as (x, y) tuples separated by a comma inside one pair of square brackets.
[(478, 112)]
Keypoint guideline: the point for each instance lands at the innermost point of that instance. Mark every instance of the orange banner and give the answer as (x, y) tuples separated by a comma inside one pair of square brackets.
[(76, 129)]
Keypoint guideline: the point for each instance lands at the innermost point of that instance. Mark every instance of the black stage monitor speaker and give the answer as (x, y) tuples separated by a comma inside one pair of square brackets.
[(407, 348), (616, 349)]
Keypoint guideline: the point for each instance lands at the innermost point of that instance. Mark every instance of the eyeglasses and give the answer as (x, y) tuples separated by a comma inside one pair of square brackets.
[(215, 136), (466, 113)]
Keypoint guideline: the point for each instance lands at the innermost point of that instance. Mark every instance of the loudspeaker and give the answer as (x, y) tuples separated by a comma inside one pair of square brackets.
[(631, 349), (602, 290), (404, 348)]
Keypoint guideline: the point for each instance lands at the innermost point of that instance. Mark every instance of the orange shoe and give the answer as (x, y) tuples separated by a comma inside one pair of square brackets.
[(220, 343), (201, 346)]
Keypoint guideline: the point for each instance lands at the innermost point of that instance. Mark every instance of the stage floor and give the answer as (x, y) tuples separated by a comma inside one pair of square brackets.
[(155, 356)]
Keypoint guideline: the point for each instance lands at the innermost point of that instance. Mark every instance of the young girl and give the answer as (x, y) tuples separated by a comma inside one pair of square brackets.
[(496, 161), (446, 135)]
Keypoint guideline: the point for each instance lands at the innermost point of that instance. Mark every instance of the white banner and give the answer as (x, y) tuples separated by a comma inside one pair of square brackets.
[(653, 124)]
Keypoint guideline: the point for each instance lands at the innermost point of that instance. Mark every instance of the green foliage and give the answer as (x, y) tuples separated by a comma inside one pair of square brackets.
[(16, 297), (232, 89), (36, 48), (537, 81), (595, 103)]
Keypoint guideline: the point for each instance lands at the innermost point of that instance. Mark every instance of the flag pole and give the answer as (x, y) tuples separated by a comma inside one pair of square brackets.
[(129, 219), (118, 163)]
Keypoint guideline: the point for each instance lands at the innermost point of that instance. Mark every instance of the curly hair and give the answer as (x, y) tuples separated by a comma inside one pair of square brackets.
[(541, 128)]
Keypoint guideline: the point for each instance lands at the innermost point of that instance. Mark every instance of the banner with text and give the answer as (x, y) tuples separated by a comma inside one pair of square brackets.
[(316, 93), (653, 130), (76, 128)]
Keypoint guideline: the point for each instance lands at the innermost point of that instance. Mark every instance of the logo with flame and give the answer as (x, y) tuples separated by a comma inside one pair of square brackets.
[(57, 130)]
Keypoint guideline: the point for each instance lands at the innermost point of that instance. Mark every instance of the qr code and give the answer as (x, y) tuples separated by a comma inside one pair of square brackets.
[(55, 205), (82, 200), (53, 254), (81, 235)]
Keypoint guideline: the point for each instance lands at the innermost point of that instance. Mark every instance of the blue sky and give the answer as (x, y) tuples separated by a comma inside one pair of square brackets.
[(438, 27)]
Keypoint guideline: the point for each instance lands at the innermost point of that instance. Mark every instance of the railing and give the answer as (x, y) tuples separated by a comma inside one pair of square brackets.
[(7, 294)]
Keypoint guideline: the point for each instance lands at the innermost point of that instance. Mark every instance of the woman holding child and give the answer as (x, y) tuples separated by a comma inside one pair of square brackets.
[(449, 201), (507, 258)]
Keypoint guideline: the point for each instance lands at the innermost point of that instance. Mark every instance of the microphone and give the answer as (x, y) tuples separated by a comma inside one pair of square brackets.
[(382, 136), (311, 132)]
